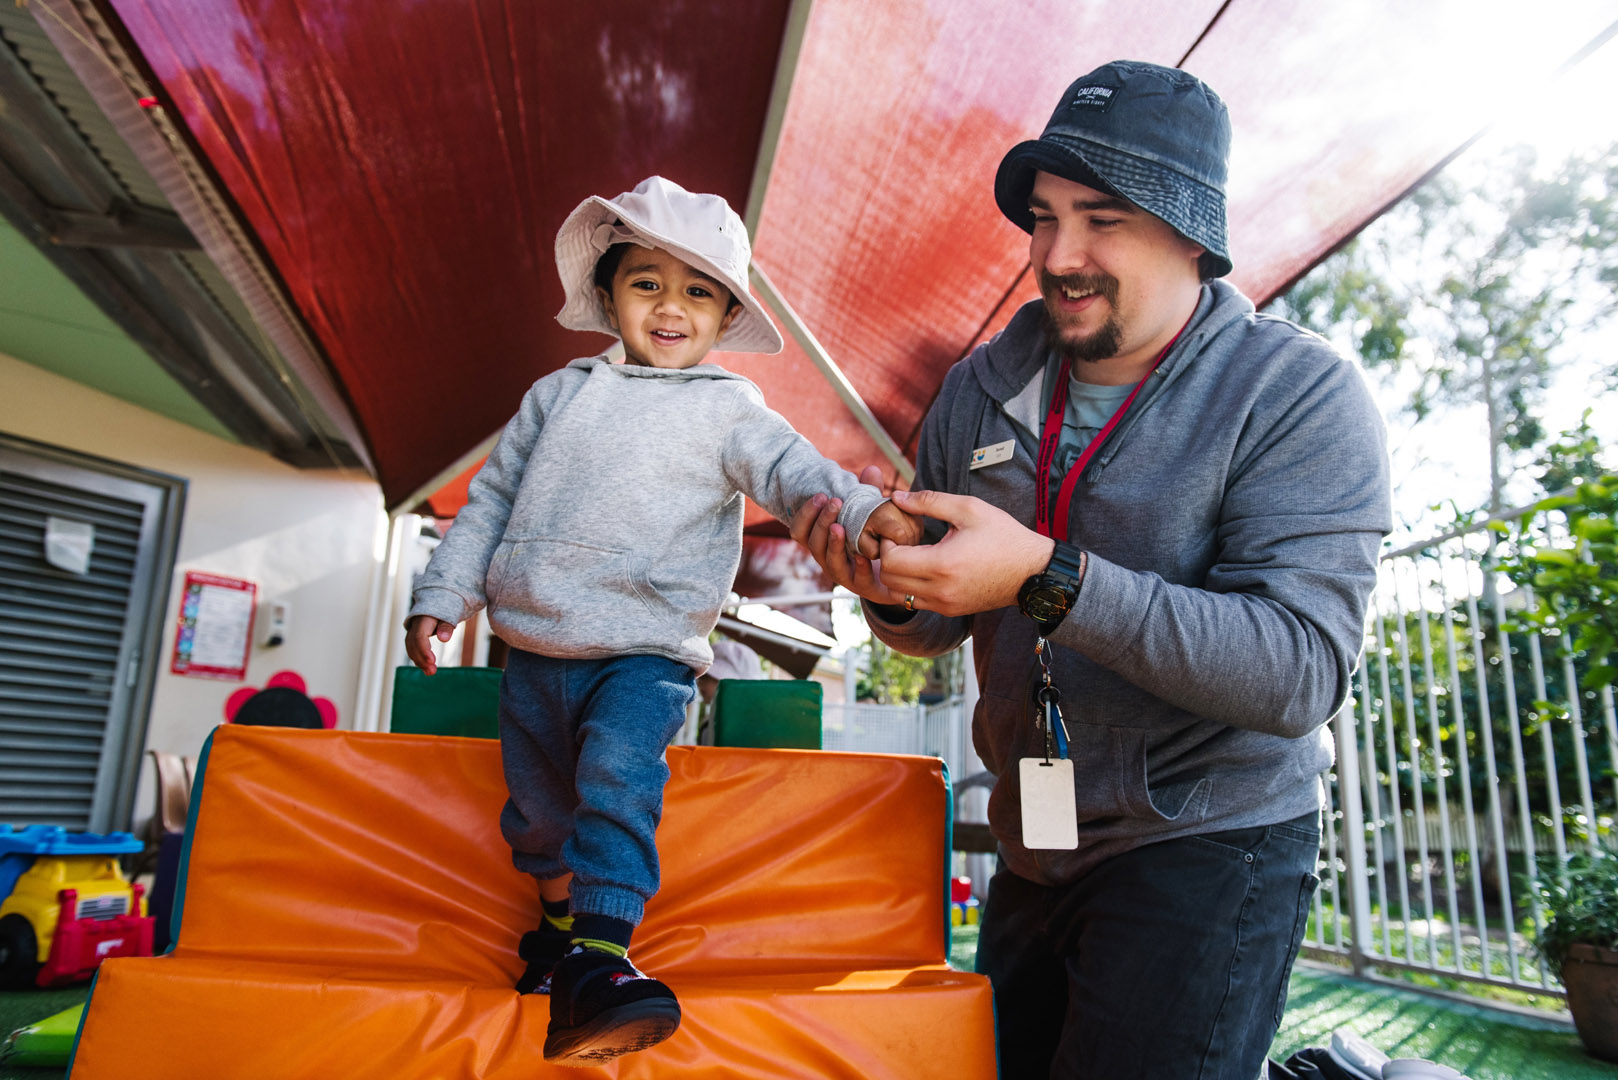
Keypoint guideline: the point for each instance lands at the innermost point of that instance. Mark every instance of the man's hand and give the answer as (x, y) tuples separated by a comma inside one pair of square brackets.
[(979, 564), (888, 522), (419, 633)]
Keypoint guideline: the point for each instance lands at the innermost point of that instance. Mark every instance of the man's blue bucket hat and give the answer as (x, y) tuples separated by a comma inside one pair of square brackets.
[(1157, 136)]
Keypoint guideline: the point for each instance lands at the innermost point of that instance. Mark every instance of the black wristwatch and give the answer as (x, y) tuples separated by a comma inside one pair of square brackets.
[(1048, 596)]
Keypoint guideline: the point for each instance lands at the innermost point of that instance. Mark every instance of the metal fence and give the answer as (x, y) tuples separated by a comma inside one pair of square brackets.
[(1468, 754), (938, 730)]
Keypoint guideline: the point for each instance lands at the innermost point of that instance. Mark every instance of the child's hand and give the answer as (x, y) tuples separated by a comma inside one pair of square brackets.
[(418, 637), (888, 522)]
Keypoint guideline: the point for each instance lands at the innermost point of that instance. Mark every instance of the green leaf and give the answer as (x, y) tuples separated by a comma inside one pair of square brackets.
[(1593, 529)]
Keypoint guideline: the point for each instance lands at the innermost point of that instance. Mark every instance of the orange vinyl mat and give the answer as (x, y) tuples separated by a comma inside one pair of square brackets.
[(348, 908)]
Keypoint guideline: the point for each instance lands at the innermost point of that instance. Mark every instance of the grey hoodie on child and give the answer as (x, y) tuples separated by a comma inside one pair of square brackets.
[(608, 518)]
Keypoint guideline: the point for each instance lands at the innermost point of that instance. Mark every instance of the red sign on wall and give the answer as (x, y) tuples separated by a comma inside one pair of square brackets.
[(216, 627)]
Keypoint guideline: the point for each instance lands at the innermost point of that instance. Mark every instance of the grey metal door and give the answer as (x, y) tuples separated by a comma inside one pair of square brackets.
[(78, 641)]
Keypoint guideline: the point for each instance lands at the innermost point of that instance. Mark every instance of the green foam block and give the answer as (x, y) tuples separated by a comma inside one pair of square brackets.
[(46, 1042)]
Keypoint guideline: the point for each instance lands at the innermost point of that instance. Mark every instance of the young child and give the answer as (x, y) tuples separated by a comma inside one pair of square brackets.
[(603, 534)]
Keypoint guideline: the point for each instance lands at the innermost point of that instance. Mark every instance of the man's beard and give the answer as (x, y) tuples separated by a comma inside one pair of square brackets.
[(1100, 344)]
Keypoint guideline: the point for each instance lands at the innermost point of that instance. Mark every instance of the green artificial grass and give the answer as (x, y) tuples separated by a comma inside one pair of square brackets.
[(963, 947), (1482, 1042)]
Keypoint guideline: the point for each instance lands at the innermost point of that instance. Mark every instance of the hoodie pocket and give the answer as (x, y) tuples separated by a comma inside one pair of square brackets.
[(1109, 765), (996, 727), (1109, 770), (659, 600), (566, 591), (499, 567)]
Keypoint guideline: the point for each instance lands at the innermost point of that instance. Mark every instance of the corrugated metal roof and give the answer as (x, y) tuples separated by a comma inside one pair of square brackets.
[(125, 175), (28, 41)]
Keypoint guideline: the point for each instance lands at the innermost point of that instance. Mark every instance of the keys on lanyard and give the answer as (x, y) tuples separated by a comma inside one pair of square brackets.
[(1048, 700), (1050, 816)]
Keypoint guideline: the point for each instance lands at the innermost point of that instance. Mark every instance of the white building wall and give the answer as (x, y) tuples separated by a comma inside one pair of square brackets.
[(310, 538)]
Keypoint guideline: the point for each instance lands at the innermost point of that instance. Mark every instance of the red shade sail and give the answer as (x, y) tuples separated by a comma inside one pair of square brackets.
[(405, 165)]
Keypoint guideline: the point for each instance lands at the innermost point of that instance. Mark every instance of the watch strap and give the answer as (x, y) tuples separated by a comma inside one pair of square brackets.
[(1067, 560), (1064, 574)]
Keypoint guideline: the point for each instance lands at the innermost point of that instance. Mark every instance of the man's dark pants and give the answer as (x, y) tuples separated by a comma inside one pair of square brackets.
[(1169, 962)]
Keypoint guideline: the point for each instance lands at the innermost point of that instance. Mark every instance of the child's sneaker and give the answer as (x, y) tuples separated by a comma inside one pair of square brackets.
[(542, 948), (602, 1006)]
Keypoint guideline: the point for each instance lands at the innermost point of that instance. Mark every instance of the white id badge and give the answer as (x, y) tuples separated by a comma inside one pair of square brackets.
[(992, 455), (1050, 813)]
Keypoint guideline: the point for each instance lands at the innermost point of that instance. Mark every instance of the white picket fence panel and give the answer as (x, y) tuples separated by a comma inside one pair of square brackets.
[(938, 730), (1467, 754)]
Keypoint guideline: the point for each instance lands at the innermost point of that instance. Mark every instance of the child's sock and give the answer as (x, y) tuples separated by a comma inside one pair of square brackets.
[(603, 933), (556, 914)]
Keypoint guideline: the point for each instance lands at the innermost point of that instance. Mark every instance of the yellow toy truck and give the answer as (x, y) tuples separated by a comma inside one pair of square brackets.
[(67, 905)]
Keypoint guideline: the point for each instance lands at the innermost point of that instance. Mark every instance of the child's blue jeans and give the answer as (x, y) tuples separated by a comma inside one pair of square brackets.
[(583, 742)]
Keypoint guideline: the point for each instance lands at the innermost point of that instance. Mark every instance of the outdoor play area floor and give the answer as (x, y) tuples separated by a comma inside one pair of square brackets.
[(1482, 1042)]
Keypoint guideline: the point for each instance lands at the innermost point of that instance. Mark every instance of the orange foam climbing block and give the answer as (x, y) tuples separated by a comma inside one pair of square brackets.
[(349, 908)]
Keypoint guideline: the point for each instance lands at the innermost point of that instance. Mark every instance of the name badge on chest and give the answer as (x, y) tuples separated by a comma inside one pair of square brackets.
[(992, 455)]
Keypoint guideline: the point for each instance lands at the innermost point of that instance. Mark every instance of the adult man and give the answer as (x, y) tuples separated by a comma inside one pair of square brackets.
[(1186, 499)]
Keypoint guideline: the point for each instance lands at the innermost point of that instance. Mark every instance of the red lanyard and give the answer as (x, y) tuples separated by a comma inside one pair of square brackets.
[(1051, 436)]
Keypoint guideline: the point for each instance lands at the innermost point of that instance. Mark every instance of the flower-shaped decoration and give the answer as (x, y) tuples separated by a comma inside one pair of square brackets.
[(283, 702)]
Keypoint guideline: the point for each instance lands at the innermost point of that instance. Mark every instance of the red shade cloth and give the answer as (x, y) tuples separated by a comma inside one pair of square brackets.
[(405, 166)]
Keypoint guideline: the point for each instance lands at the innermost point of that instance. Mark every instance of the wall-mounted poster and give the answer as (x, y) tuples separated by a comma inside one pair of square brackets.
[(216, 627)]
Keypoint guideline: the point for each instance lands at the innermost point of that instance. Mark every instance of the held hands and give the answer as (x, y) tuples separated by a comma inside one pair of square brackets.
[(419, 633), (886, 524), (978, 566), (815, 527)]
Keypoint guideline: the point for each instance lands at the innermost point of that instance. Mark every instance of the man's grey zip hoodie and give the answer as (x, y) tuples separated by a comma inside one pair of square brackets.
[(1233, 522), (608, 518)]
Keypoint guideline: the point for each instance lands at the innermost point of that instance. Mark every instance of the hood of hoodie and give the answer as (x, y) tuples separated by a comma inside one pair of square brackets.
[(1004, 368), (638, 371)]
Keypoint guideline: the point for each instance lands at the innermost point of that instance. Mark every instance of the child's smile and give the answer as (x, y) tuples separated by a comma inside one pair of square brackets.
[(668, 313)]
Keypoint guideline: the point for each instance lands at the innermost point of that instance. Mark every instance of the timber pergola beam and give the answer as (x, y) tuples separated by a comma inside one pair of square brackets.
[(833, 374)]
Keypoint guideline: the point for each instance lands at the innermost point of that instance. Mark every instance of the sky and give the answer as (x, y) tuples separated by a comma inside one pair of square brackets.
[(1443, 460)]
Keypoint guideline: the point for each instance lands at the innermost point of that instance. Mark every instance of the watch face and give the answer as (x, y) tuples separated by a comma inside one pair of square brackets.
[(1045, 603)]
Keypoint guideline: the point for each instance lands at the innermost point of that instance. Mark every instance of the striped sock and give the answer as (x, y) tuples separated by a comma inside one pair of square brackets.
[(603, 933), (556, 914), (601, 946)]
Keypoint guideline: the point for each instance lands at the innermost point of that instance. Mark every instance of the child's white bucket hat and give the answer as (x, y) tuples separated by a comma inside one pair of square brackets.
[(702, 230)]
